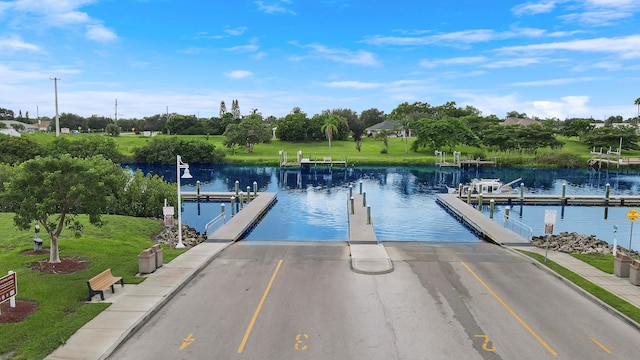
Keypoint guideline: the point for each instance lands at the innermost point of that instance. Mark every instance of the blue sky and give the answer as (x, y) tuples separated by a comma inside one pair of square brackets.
[(547, 58)]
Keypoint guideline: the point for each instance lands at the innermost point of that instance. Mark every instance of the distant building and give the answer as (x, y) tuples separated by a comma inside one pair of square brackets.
[(10, 132), (388, 125), (519, 121), (27, 127)]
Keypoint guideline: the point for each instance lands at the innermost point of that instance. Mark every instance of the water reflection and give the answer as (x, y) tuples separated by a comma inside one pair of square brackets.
[(313, 205)]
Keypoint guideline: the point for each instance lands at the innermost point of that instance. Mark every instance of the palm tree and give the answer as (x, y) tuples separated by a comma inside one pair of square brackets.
[(637, 102), (404, 124), (330, 125)]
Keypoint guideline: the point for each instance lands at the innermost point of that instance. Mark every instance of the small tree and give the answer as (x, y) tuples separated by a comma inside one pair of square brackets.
[(112, 130), (54, 190), (251, 130)]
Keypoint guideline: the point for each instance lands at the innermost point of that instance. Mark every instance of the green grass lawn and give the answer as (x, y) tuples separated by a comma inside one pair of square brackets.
[(61, 297), (603, 262)]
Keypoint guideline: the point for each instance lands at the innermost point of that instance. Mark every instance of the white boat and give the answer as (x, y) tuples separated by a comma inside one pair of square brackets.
[(486, 186)]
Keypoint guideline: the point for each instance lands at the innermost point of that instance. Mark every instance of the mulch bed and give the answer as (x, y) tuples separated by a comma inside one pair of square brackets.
[(16, 314), (65, 266), (24, 308)]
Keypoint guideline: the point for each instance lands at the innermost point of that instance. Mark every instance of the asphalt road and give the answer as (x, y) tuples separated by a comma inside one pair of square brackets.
[(301, 300)]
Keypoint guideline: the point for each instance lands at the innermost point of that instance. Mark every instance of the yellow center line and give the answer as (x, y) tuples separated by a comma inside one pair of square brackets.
[(255, 314), (513, 313), (601, 346)]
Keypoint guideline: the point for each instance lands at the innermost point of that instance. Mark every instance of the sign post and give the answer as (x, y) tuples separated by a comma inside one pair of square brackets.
[(633, 215), (615, 242), (549, 223), (9, 288)]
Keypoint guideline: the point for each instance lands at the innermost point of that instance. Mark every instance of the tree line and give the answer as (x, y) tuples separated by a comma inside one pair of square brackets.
[(433, 127)]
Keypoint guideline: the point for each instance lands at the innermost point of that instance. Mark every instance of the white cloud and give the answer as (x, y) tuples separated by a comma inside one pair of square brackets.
[(57, 14), (468, 60), (627, 47), (238, 74), (556, 82), (274, 8), (533, 8), (15, 43), (513, 62), (237, 31), (353, 85), (99, 33), (357, 57)]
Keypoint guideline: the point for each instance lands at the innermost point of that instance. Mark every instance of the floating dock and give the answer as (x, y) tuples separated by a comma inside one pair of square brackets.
[(586, 200), (475, 220), (244, 220)]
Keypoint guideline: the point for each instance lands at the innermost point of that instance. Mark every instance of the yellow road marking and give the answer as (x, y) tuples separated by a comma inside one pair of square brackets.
[(513, 313), (255, 314), (485, 344), (601, 346), (300, 340), (187, 341)]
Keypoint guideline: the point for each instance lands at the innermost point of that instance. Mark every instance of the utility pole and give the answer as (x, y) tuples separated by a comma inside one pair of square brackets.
[(55, 86), (116, 121)]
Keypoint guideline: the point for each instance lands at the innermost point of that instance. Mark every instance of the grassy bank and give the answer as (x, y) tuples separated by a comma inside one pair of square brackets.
[(61, 297), (603, 262), (573, 154)]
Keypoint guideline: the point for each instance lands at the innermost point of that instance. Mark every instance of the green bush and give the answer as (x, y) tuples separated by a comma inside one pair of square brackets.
[(143, 196), (164, 151)]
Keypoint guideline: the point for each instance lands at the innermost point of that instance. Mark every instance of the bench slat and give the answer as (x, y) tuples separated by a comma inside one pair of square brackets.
[(101, 282)]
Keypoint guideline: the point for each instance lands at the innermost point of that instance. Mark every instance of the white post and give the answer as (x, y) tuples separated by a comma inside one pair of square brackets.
[(12, 300), (615, 241), (187, 175), (180, 245)]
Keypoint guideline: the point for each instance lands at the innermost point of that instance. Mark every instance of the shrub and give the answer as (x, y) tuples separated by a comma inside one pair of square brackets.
[(164, 151)]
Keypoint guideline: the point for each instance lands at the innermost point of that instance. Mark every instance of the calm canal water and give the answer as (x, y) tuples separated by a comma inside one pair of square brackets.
[(313, 206)]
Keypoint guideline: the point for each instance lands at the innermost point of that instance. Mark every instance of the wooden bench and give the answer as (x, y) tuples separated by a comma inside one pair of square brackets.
[(101, 282)]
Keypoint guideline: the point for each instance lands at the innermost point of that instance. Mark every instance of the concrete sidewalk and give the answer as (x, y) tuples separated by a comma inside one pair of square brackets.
[(133, 305), (621, 287)]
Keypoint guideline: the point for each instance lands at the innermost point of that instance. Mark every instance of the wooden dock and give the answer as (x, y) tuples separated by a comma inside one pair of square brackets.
[(307, 163), (441, 161), (208, 196), (244, 220), (477, 222), (587, 200)]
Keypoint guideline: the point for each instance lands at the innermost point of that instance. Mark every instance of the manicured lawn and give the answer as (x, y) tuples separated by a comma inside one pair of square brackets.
[(61, 297)]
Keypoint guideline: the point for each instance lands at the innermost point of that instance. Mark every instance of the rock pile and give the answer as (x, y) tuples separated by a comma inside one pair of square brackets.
[(575, 243), (190, 237)]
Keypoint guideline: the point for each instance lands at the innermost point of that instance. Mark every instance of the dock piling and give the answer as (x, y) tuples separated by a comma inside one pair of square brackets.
[(492, 204), (233, 208)]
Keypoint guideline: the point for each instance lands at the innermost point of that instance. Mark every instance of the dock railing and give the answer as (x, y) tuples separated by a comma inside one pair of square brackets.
[(519, 228), (222, 216)]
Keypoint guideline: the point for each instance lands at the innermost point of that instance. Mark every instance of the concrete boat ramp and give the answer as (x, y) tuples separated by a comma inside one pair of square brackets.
[(368, 255)]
